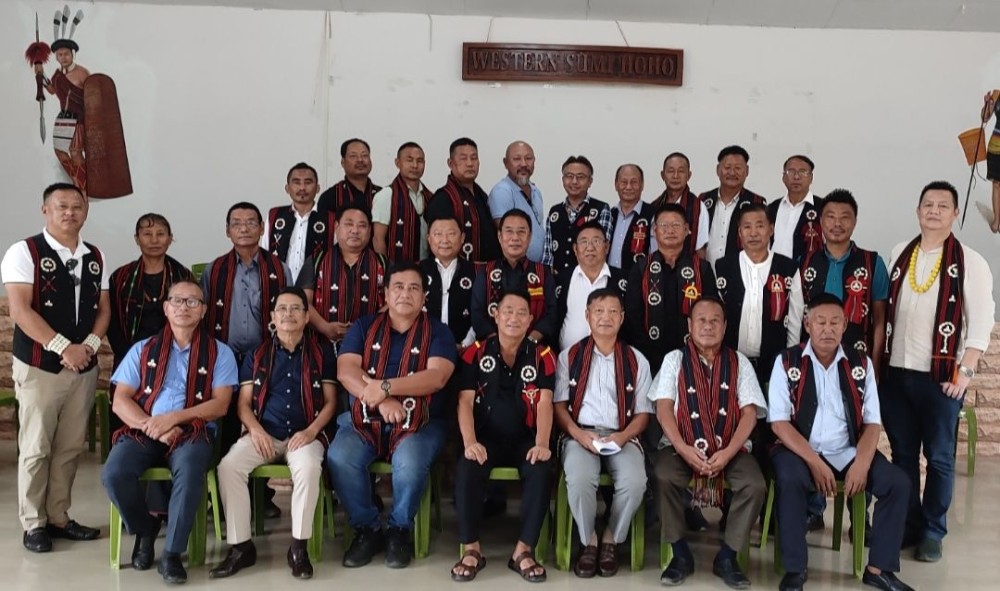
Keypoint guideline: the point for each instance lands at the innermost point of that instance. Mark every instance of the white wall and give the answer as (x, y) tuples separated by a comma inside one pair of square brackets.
[(218, 103)]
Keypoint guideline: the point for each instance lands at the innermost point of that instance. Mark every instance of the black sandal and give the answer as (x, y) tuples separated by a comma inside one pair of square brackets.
[(469, 571), (530, 573)]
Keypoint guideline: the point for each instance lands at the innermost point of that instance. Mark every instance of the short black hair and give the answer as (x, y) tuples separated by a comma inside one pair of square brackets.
[(244, 205), (618, 171), (295, 291), (605, 292), (446, 217), (301, 166), (802, 157), (677, 155), (462, 141), (148, 220), (579, 160), (515, 213), (751, 208), (347, 143), (823, 299), (408, 145), (670, 208), (840, 196), (189, 280), (517, 293), (712, 300), (404, 267), (60, 187), (354, 205), (589, 225), (940, 186), (734, 151)]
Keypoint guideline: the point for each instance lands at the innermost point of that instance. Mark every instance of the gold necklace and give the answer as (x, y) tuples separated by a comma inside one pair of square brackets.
[(913, 272)]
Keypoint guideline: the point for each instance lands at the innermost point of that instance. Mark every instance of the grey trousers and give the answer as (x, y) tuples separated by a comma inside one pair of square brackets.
[(583, 471)]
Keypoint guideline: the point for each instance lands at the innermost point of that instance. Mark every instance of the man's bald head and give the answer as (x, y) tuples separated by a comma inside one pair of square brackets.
[(519, 160)]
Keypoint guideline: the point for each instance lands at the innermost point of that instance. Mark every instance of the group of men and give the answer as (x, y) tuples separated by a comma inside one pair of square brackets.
[(632, 339)]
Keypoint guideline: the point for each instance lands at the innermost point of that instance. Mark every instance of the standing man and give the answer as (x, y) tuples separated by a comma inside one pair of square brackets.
[(991, 106), (724, 201), (397, 211), (57, 288), (676, 174), (449, 280), (516, 191), (939, 319), (464, 200), (795, 216), (578, 209), (357, 187), (631, 220), (300, 230)]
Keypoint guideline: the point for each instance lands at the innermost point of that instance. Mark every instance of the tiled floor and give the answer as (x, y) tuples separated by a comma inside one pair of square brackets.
[(972, 550)]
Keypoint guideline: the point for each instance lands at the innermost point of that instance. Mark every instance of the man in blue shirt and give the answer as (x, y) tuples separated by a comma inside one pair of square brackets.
[(516, 191), (394, 364), (168, 390)]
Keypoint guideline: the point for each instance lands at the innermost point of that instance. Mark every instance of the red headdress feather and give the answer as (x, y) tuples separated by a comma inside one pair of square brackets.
[(37, 53)]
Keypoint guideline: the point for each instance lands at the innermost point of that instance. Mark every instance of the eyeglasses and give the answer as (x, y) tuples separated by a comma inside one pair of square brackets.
[(249, 224), (293, 309), (794, 172), (590, 242), (189, 302), (569, 176), (670, 225), (71, 264)]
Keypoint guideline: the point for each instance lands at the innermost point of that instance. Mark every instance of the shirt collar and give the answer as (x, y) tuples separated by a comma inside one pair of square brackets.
[(808, 199), (841, 259), (450, 267), (745, 260), (604, 272), (584, 203), (301, 217), (81, 248), (836, 358), (625, 216)]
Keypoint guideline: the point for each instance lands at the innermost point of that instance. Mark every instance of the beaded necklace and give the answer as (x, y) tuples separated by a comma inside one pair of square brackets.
[(912, 274)]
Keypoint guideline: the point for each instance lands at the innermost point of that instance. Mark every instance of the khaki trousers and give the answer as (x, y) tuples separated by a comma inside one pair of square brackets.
[(306, 465), (53, 412)]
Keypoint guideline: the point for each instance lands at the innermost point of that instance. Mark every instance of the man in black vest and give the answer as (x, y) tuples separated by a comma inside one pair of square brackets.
[(57, 288), (796, 215), (724, 202), (357, 187), (299, 231), (631, 220), (577, 209), (676, 174), (449, 280), (824, 410)]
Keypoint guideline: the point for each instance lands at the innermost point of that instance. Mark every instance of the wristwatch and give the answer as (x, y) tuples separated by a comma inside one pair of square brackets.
[(966, 371), (386, 386)]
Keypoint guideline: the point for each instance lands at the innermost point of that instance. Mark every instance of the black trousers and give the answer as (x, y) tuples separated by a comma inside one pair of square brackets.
[(471, 479), (794, 485)]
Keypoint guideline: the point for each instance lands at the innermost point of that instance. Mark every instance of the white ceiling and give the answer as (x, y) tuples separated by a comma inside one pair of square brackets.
[(932, 15)]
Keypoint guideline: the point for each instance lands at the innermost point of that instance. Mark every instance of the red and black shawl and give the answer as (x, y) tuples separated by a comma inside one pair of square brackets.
[(626, 373), (220, 290), (345, 293), (128, 299), (404, 239)]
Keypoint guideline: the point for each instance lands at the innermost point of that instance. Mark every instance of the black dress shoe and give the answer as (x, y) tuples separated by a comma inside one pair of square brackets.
[(814, 522), (37, 539), (239, 556), (142, 552), (272, 511), (680, 568), (398, 547), (73, 531), (886, 581), (367, 543), (298, 561), (792, 582), (727, 570), (694, 519), (172, 570)]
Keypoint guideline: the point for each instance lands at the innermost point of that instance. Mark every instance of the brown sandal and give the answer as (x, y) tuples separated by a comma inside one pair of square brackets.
[(608, 560), (469, 571), (529, 573), (586, 564)]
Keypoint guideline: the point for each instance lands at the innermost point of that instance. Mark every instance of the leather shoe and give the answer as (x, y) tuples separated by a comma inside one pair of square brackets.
[(608, 560), (792, 582), (73, 531), (694, 519), (37, 539), (298, 561), (367, 543), (814, 522), (727, 570), (272, 511), (885, 580), (172, 570), (398, 548), (586, 563), (928, 550), (143, 552), (236, 559), (680, 568)]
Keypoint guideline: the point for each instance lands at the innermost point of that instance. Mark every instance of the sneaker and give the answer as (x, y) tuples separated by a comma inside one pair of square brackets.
[(398, 547), (367, 543)]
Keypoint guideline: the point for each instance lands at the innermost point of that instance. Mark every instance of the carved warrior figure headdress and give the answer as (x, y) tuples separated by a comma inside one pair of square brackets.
[(59, 22)]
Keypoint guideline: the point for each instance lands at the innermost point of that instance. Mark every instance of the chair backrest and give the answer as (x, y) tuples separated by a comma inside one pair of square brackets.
[(197, 270)]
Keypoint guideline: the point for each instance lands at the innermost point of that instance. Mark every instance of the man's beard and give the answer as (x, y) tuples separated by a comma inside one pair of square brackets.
[(522, 180)]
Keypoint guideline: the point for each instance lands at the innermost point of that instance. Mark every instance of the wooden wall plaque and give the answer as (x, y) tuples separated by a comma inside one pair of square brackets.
[(572, 63)]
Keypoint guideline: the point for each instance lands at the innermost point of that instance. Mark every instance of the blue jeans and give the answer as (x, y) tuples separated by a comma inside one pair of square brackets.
[(350, 456), (916, 412)]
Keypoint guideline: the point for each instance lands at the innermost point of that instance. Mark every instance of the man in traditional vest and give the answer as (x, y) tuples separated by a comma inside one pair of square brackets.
[(512, 271), (939, 319), (577, 209), (631, 220), (763, 294), (601, 398), (590, 273), (824, 410), (57, 288), (168, 390), (662, 289), (724, 202), (796, 215), (676, 175), (516, 191), (463, 199), (286, 400), (393, 363), (357, 187), (707, 402), (400, 232), (449, 280), (298, 231)]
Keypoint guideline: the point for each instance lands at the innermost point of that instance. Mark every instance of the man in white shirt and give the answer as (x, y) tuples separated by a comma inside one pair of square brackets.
[(449, 280), (725, 201), (822, 439), (939, 319), (298, 231), (797, 231), (591, 273)]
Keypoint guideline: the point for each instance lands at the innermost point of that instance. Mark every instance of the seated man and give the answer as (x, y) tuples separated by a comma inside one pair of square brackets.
[(822, 439), (601, 397), (167, 390), (707, 401), (391, 363), (286, 399), (505, 416)]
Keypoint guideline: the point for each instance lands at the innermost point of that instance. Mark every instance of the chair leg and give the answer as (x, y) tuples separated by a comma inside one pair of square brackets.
[(331, 505), (639, 538), (103, 415), (315, 543), (196, 540), (666, 553), (213, 494), (564, 525), (972, 440), (257, 503), (92, 428), (858, 540), (838, 520), (115, 537), (544, 539), (765, 529), (422, 525)]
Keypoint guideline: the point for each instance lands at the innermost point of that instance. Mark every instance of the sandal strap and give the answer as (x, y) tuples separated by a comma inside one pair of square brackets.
[(475, 554), (526, 554)]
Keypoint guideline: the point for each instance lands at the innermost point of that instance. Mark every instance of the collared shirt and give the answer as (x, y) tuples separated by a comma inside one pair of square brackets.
[(296, 242), (785, 223), (665, 385), (17, 266), (835, 277), (574, 325), (914, 324), (603, 218), (173, 394), (620, 234), (447, 275), (600, 399), (507, 195), (382, 214), (702, 228), (718, 234), (829, 437), (755, 277)]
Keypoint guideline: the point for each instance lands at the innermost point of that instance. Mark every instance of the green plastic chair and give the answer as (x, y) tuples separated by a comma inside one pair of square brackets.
[(260, 476), (197, 270), (421, 521), (564, 527), (9, 398), (968, 414), (667, 550), (99, 420), (510, 474)]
